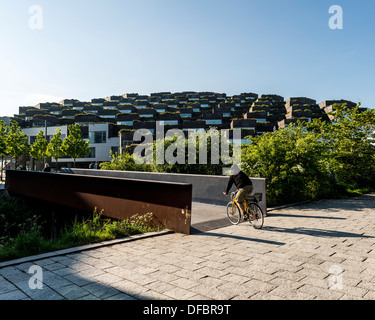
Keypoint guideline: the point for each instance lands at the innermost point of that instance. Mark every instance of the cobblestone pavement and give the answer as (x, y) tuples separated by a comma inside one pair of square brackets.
[(320, 250)]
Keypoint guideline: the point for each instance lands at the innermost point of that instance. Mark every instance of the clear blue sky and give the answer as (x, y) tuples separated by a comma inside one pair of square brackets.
[(95, 48)]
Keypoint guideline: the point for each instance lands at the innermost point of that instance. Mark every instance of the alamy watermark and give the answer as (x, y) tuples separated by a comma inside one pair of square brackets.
[(336, 21), (36, 280), (222, 148), (36, 18), (335, 280)]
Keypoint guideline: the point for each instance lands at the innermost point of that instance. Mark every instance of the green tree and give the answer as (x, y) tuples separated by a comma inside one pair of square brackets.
[(16, 141), (74, 145), (38, 149), (291, 161), (124, 162), (54, 148), (3, 145), (350, 141), (200, 154)]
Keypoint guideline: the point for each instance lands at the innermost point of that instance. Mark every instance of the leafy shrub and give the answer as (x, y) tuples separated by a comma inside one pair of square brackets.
[(100, 229), (291, 161), (12, 214), (31, 240)]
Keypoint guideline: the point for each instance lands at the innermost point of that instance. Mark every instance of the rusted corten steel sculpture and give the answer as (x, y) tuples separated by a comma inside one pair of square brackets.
[(170, 203)]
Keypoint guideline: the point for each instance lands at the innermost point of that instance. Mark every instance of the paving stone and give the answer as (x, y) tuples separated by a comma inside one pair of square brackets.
[(290, 258), (185, 283), (13, 295), (99, 290), (6, 286), (179, 293), (72, 292), (107, 278)]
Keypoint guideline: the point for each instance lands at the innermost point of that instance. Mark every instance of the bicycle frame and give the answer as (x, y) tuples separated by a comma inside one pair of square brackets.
[(235, 202), (247, 203), (252, 212)]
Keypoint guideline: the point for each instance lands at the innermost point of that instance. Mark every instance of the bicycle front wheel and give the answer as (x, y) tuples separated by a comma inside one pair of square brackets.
[(256, 216), (233, 213)]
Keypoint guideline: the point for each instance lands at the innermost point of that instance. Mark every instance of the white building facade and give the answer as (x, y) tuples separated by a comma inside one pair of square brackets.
[(100, 141)]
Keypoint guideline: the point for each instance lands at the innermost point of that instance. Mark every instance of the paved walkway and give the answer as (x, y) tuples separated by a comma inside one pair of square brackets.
[(321, 250)]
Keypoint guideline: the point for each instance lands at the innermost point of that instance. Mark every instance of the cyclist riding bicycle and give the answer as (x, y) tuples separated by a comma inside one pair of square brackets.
[(243, 184)]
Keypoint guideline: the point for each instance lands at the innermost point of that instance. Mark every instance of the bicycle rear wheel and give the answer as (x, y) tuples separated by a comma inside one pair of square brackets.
[(233, 213), (256, 216)]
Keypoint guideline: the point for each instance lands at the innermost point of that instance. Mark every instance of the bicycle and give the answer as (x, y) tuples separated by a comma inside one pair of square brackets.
[(253, 212)]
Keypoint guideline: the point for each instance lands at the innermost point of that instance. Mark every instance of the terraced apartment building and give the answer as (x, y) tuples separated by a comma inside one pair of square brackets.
[(109, 123)]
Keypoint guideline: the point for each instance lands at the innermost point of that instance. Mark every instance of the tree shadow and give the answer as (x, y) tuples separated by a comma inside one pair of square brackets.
[(231, 236), (286, 215), (357, 203), (58, 284), (316, 232)]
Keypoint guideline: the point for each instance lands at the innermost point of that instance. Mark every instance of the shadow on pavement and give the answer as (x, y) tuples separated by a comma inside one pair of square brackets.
[(358, 203), (316, 232), (209, 225), (223, 235), (65, 283), (287, 215)]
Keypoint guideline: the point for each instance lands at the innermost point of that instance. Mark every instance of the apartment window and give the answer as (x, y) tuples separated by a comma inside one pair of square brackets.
[(115, 150), (127, 143), (110, 107), (83, 123), (108, 116), (125, 111), (204, 105), (185, 115), (40, 124), (246, 128), (196, 110), (218, 121), (98, 137), (160, 110), (261, 120), (168, 122), (146, 115), (126, 123), (92, 153), (226, 114), (194, 129), (90, 111)]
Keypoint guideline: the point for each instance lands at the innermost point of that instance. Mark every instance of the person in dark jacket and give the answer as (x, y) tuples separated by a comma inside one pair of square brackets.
[(47, 168), (243, 184)]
